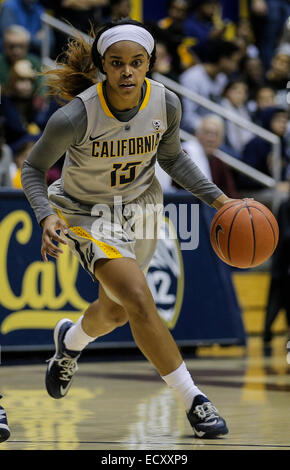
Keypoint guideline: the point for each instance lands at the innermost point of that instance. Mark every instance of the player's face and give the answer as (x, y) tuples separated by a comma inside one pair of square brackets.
[(126, 64)]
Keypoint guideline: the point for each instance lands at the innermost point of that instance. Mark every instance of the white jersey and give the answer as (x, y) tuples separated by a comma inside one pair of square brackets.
[(115, 158)]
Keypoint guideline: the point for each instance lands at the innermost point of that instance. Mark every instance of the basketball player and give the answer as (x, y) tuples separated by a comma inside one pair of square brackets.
[(112, 133), (4, 429)]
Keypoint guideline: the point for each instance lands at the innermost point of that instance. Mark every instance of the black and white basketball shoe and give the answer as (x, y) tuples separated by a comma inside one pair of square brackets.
[(4, 428), (63, 365), (205, 419)]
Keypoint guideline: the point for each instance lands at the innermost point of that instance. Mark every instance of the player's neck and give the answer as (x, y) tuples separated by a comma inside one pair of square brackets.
[(121, 102)]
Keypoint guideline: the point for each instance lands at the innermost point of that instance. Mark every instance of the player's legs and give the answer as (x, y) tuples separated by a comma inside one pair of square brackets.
[(100, 318), (103, 316), (127, 282)]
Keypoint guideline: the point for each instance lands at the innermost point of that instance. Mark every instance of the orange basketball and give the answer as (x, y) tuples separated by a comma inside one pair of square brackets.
[(244, 233)]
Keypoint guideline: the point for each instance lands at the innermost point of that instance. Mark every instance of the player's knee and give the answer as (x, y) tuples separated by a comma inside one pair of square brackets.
[(136, 303)]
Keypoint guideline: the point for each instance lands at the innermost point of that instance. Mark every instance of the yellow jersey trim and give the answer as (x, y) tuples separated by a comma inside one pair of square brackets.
[(103, 101), (147, 95)]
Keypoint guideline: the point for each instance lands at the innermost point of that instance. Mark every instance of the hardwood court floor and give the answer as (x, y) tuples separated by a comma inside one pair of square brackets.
[(125, 405)]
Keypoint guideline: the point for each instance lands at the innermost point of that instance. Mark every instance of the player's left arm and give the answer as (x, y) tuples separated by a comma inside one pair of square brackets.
[(179, 165)]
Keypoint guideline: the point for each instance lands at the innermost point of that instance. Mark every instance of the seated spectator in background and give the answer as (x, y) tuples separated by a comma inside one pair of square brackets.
[(268, 19), (5, 159), (200, 23), (163, 63), (244, 38), (119, 9), (278, 75), (79, 13), (21, 106), (209, 137), (16, 41), (26, 13), (265, 98), (205, 24), (208, 80), (21, 150), (172, 27), (252, 70), (235, 100), (258, 152)]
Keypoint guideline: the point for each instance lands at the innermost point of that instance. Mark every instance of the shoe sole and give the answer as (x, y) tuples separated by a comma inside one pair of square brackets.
[(210, 435), (55, 338), (4, 432)]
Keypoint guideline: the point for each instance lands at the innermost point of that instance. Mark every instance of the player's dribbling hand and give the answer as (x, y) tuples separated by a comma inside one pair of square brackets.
[(51, 225)]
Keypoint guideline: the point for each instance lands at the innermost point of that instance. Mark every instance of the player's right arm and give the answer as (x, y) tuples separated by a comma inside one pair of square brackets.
[(60, 133)]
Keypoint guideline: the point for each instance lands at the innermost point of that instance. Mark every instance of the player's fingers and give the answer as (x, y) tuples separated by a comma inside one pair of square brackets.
[(43, 254), (47, 250), (62, 226), (53, 254), (55, 236), (49, 245)]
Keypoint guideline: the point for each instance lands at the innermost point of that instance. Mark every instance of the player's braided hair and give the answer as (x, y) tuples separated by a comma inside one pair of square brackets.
[(79, 64)]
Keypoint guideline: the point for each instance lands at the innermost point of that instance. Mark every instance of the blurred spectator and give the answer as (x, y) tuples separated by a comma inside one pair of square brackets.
[(20, 106), (286, 32), (79, 13), (172, 27), (20, 152), (208, 79), (245, 38), (253, 73), (209, 138), (278, 74), (26, 13), (15, 47), (279, 292), (5, 159), (200, 24), (235, 100), (163, 63), (268, 19), (265, 97), (258, 152), (205, 24), (21, 149), (119, 9)]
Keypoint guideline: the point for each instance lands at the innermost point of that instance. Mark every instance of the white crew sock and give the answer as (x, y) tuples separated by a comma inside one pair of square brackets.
[(181, 382), (76, 339)]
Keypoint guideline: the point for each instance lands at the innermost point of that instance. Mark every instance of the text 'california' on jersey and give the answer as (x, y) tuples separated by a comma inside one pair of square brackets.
[(115, 158)]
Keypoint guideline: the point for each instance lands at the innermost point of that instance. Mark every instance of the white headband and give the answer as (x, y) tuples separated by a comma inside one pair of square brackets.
[(125, 32)]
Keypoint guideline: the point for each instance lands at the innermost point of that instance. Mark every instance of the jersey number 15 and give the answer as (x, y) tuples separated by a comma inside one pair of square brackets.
[(123, 173)]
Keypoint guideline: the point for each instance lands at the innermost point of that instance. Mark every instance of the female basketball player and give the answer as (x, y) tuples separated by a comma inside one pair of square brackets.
[(112, 133)]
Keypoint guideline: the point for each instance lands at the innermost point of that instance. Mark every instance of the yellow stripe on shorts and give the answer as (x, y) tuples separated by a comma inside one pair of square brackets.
[(109, 250)]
